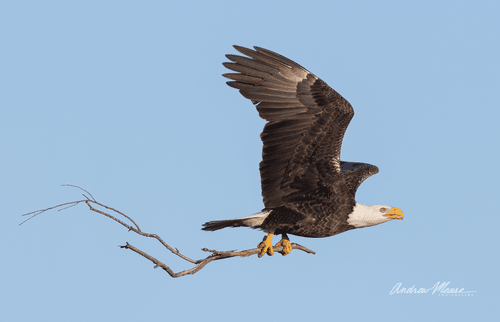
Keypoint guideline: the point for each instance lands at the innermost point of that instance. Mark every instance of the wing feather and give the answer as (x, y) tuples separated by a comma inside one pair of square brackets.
[(354, 173), (306, 123)]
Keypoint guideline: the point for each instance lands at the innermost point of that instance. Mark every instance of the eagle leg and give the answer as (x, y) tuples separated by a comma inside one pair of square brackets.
[(266, 246), (285, 242)]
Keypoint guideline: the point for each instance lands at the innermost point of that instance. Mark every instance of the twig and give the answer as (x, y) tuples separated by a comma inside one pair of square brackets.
[(215, 255)]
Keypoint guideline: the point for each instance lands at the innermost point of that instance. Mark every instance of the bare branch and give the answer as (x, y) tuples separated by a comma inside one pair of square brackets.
[(37, 212), (70, 185), (199, 264), (216, 255)]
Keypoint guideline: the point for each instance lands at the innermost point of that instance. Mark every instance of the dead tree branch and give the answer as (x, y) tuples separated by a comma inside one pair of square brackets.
[(91, 202)]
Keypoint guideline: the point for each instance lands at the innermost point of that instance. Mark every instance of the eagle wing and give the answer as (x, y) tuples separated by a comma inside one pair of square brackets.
[(306, 124), (354, 173)]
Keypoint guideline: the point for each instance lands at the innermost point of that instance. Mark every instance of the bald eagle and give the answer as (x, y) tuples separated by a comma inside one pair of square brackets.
[(307, 190)]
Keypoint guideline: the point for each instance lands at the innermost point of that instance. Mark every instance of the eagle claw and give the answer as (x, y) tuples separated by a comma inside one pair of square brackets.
[(266, 246), (287, 246)]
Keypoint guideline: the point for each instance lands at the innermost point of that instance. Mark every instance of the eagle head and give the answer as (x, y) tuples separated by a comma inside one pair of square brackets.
[(365, 216)]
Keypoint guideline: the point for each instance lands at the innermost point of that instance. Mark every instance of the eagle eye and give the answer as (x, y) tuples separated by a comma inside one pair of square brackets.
[(383, 209)]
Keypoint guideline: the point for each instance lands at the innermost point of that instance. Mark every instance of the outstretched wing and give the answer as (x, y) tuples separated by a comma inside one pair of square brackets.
[(306, 123), (354, 173)]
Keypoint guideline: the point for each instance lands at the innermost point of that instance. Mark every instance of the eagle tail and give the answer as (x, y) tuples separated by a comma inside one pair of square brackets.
[(254, 221)]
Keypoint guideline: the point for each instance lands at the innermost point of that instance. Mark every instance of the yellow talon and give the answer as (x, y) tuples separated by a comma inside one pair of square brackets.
[(287, 246), (266, 246)]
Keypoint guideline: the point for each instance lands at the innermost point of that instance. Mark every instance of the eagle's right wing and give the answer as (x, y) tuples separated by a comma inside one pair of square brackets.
[(306, 118)]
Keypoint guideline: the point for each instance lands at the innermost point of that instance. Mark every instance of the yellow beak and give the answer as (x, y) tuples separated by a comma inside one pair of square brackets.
[(396, 213)]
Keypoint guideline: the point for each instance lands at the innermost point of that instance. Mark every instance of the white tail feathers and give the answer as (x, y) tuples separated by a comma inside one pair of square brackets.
[(250, 221)]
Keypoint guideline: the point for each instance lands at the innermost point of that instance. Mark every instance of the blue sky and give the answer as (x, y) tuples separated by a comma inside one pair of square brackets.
[(126, 100)]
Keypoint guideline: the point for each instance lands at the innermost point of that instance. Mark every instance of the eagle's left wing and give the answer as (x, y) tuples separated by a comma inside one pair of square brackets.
[(354, 173)]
